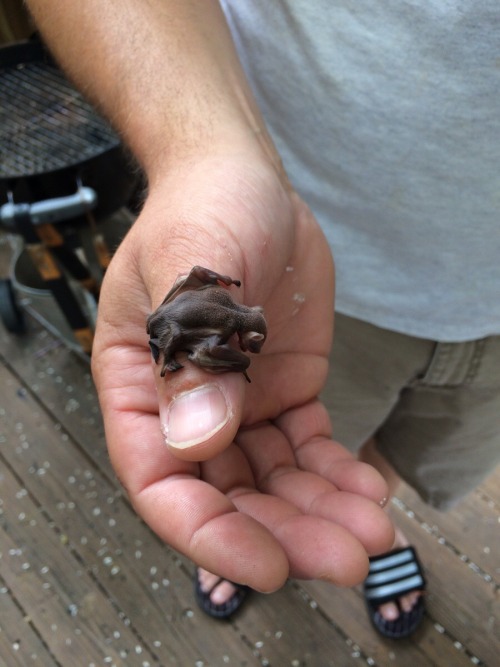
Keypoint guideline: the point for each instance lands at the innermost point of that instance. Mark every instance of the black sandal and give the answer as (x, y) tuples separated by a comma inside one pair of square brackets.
[(392, 575), (224, 610)]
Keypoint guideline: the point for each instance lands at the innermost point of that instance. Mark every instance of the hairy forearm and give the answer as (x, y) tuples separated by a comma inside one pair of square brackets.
[(164, 71)]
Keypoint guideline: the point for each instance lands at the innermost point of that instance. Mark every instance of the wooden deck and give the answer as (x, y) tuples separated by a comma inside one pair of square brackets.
[(83, 582)]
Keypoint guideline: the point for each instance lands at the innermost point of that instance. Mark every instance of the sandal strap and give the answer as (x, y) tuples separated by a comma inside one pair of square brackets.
[(212, 588), (392, 575), (224, 610)]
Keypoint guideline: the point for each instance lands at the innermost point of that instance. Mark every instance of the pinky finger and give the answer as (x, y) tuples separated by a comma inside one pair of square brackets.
[(316, 548)]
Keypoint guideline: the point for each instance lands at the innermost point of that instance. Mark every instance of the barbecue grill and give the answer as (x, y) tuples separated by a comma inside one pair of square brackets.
[(62, 172), (46, 125)]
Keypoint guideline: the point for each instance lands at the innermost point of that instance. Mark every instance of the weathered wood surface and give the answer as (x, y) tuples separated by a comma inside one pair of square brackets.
[(84, 582)]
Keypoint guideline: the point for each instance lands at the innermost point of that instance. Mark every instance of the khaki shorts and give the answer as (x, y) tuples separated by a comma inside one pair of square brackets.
[(434, 408)]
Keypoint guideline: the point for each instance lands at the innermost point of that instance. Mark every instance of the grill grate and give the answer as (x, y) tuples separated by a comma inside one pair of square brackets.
[(45, 124)]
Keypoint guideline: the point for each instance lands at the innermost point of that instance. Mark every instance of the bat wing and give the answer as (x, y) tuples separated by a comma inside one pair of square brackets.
[(196, 278)]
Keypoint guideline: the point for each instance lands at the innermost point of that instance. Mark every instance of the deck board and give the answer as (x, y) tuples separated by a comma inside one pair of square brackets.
[(19, 641), (469, 529), (84, 581)]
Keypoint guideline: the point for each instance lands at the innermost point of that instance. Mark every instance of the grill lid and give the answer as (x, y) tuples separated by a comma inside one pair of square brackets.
[(45, 124)]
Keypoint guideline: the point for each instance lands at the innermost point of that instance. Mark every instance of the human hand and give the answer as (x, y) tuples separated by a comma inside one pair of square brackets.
[(273, 496)]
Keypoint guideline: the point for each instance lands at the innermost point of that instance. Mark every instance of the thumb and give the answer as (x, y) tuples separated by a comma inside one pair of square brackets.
[(199, 414)]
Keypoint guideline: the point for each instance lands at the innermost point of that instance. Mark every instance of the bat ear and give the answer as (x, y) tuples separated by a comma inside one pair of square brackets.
[(254, 336), (252, 340), (155, 349)]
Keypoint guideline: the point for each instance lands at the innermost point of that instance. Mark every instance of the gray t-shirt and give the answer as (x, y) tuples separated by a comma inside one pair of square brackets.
[(387, 117)]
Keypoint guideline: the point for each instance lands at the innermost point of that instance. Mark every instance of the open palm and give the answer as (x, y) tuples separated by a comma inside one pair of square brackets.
[(263, 493)]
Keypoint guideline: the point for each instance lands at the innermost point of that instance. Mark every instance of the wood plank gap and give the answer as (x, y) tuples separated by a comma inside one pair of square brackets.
[(14, 611), (52, 606), (52, 524), (466, 612), (442, 540), (358, 653), (26, 389)]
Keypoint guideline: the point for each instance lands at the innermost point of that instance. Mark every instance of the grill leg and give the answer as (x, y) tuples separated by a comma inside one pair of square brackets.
[(62, 293)]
